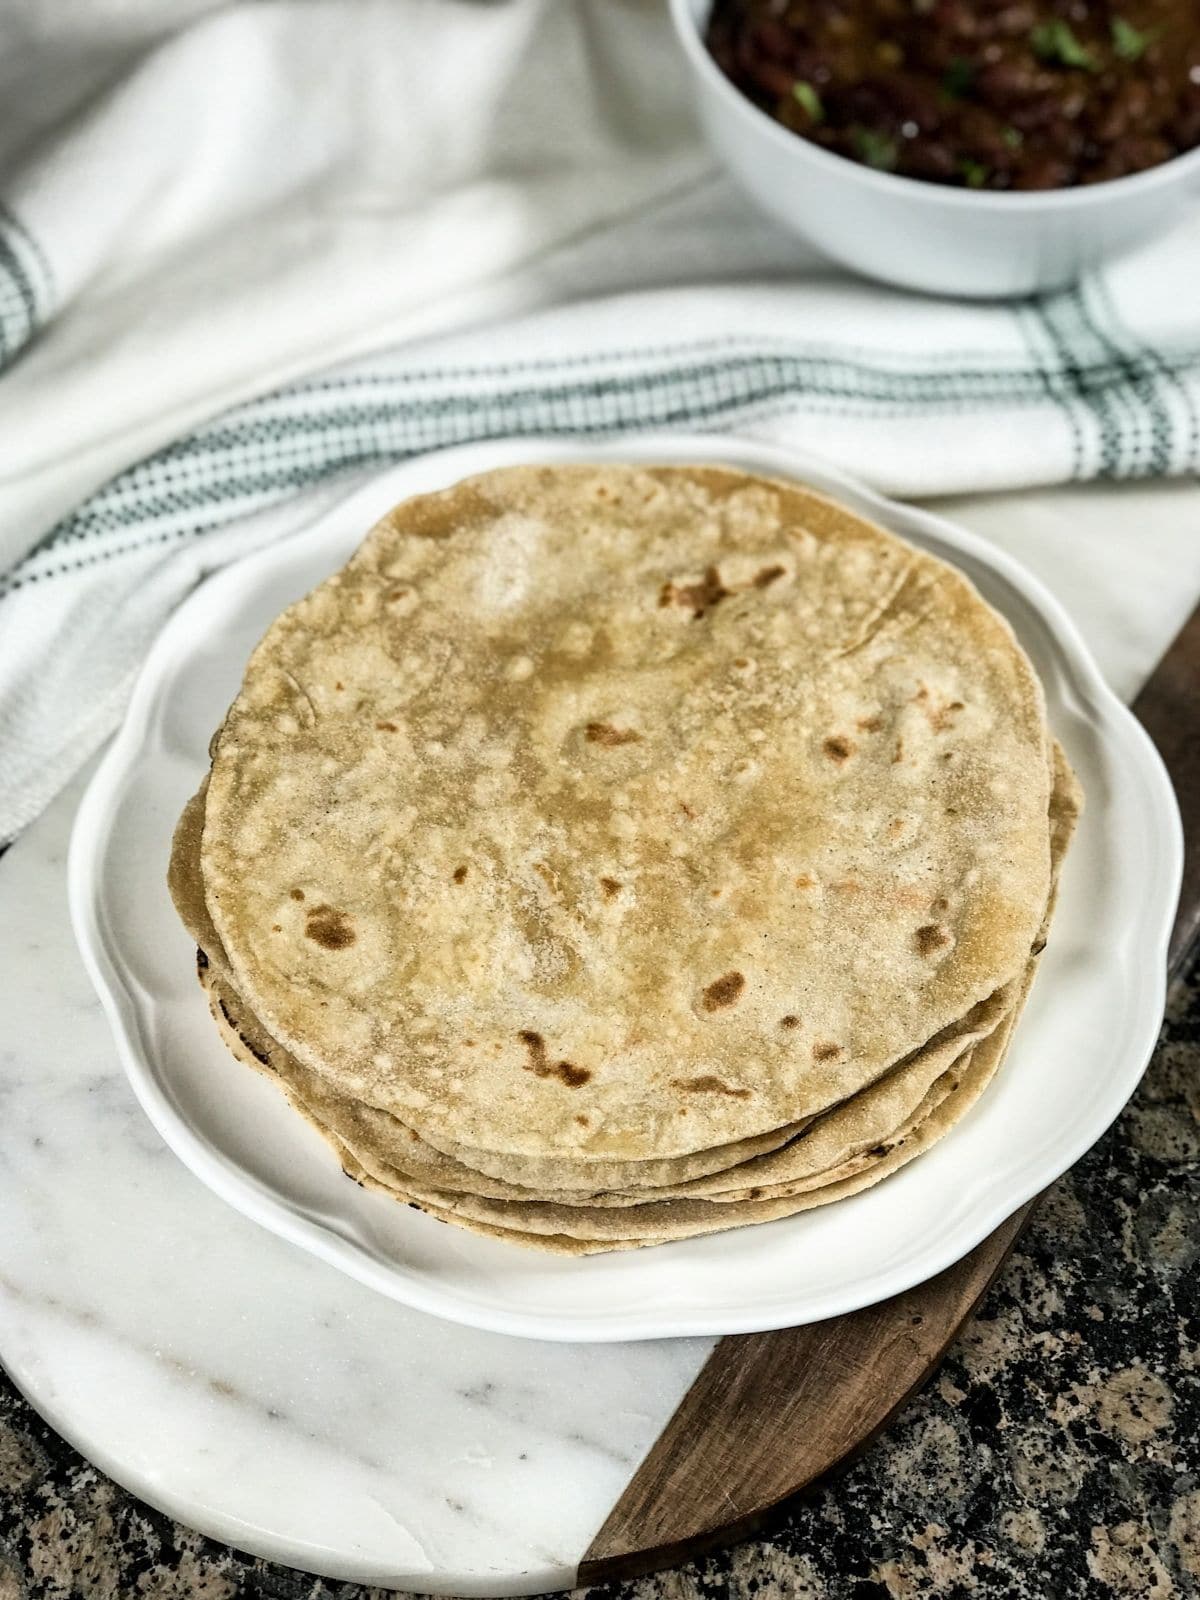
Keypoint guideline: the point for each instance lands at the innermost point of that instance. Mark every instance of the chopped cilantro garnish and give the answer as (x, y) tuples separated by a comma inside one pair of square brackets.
[(1013, 138), (974, 173), (1055, 41), (809, 99), (958, 77), (1130, 43), (876, 149)]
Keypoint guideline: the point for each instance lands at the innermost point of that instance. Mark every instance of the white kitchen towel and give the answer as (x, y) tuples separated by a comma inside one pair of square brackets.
[(495, 217)]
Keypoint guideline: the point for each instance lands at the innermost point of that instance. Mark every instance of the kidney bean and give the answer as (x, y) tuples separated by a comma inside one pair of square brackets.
[(1015, 21), (956, 18), (1145, 150), (909, 100), (1011, 80), (930, 160), (1043, 172), (1185, 129), (1123, 112), (1065, 138)]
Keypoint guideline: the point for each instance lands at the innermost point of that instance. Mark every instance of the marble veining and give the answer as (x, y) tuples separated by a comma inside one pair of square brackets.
[(226, 1374)]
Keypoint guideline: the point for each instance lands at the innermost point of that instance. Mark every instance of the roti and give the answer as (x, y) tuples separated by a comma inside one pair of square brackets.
[(609, 815), (957, 1100), (949, 1099), (848, 1168), (396, 1155), (400, 1143)]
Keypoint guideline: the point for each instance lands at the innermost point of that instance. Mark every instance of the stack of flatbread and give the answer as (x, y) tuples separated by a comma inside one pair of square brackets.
[(609, 855)]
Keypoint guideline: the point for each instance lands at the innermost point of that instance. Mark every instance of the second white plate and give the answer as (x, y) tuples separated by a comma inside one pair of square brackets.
[(1077, 1055)]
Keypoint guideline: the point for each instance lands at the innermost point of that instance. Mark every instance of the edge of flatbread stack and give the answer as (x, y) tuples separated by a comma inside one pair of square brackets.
[(612, 855)]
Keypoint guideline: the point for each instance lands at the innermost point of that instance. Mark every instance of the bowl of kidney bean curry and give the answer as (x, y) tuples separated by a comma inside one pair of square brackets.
[(981, 94)]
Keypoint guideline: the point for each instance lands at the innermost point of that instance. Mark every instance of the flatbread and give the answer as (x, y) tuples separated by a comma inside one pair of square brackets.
[(398, 1157), (661, 1219), (573, 776), (982, 1066), (952, 1105), (389, 1149), (454, 1166)]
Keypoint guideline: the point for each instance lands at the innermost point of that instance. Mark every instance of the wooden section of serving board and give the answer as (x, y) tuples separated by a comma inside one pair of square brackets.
[(770, 1413)]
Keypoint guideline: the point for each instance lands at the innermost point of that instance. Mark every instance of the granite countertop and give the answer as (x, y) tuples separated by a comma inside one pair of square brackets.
[(1056, 1453)]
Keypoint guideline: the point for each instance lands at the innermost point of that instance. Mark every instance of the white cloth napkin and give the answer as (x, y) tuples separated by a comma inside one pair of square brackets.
[(468, 218)]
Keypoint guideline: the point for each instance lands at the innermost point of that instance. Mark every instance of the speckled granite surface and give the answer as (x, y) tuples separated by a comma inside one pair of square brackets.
[(1056, 1454)]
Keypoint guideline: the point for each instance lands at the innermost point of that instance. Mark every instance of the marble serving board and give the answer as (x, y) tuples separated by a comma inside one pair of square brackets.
[(260, 1396)]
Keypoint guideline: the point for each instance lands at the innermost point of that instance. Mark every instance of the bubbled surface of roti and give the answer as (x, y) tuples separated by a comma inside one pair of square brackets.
[(445, 1163), (617, 813), (948, 1099), (882, 1127), (385, 1146)]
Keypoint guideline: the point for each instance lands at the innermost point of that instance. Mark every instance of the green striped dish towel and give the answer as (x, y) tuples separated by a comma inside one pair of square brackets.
[(975, 398)]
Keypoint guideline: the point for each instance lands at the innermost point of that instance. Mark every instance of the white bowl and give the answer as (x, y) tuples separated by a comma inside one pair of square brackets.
[(927, 236)]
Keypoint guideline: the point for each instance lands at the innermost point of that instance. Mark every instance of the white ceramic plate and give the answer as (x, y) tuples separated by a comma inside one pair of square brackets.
[(1077, 1055)]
